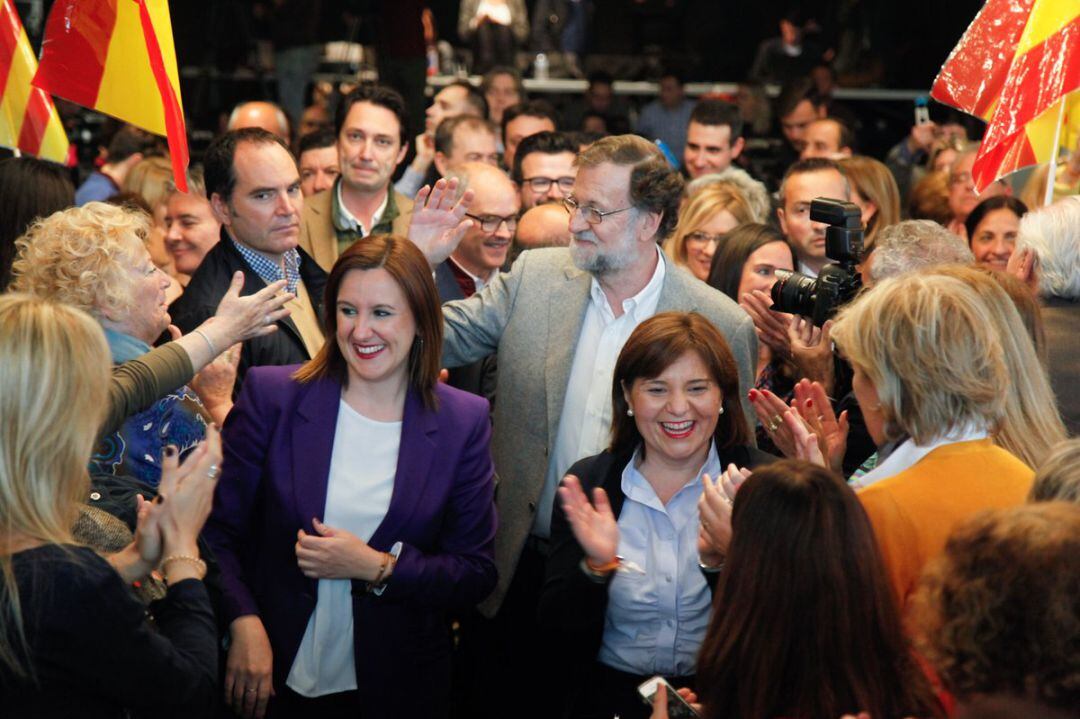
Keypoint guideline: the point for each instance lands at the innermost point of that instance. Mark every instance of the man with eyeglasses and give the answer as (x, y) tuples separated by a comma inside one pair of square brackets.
[(482, 251), (544, 168), (558, 320)]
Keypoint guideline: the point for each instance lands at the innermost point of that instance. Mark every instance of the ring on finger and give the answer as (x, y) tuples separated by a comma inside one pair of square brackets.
[(775, 423), (213, 471), (268, 320)]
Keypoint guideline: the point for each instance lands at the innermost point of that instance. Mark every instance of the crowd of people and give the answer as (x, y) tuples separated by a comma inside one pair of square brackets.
[(514, 422)]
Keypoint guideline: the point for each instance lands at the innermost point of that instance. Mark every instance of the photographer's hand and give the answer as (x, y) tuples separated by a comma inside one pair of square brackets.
[(771, 326)]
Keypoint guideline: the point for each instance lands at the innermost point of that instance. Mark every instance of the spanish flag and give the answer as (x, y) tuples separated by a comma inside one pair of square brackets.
[(1014, 68), (28, 119), (117, 57)]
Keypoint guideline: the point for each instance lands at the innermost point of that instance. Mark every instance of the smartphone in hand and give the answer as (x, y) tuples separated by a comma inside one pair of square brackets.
[(678, 708)]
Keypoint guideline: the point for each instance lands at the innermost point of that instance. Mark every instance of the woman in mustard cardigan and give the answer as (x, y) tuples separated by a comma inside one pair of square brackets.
[(930, 376)]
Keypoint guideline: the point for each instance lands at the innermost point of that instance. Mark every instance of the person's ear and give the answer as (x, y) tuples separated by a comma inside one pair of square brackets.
[(737, 147), (442, 165), (221, 209)]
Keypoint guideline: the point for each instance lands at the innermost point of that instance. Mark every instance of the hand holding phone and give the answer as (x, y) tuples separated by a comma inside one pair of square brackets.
[(678, 708)]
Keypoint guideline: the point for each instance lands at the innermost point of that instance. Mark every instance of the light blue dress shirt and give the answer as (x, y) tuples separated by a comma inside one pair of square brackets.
[(656, 620)]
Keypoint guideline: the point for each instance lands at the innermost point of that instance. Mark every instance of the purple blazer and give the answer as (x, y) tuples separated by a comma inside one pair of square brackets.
[(278, 442)]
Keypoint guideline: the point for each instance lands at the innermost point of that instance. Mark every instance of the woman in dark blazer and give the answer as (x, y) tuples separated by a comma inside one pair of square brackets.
[(629, 582), (356, 507)]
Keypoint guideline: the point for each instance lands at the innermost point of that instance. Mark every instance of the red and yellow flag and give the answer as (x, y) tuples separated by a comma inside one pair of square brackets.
[(117, 57), (28, 119), (1013, 67)]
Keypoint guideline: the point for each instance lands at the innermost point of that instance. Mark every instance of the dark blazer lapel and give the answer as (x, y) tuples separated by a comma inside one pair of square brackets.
[(419, 439), (566, 314), (313, 447)]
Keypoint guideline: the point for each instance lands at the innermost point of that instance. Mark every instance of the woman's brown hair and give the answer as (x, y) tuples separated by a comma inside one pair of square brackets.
[(804, 623), (655, 345), (410, 269)]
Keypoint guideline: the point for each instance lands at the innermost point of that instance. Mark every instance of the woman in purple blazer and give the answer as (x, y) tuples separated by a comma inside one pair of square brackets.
[(355, 507)]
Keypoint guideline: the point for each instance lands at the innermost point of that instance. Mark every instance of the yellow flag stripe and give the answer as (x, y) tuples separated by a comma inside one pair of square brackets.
[(128, 89), (1047, 18)]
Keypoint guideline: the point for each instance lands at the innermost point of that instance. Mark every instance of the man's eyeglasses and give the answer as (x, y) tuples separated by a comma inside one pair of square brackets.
[(543, 184), (490, 223), (590, 214)]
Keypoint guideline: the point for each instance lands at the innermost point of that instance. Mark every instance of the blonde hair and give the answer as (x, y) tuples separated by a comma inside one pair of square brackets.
[(1031, 424), (875, 183), (701, 207), (150, 179), (53, 395), (1058, 477), (930, 346), (81, 256)]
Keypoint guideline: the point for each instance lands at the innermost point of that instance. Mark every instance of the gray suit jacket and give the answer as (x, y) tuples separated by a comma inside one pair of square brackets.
[(532, 316)]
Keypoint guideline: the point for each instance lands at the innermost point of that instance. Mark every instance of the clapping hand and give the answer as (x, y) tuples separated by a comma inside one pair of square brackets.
[(811, 350), (714, 509), (438, 223), (594, 525)]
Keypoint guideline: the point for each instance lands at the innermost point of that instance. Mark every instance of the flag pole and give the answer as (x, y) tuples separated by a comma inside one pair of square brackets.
[(1051, 176)]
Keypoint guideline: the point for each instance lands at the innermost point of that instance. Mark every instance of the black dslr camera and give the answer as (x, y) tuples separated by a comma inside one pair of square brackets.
[(839, 281)]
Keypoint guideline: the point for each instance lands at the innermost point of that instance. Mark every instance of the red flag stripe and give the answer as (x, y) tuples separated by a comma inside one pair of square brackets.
[(973, 76), (174, 116), (75, 48), (35, 121), (1037, 79), (1005, 157), (10, 32)]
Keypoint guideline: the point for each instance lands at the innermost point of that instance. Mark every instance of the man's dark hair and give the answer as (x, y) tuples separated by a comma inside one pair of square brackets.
[(847, 136), (315, 140), (675, 74), (219, 170), (795, 92), (376, 95), (127, 142), (474, 98), (811, 164), (718, 112), (444, 133), (601, 78), (531, 108), (548, 143)]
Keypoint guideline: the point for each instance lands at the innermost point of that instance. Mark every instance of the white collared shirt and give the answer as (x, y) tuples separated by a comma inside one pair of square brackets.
[(363, 466), (585, 422), (349, 219), (908, 453), (807, 270)]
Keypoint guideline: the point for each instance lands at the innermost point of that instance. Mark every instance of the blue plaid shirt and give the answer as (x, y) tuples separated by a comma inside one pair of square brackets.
[(267, 271)]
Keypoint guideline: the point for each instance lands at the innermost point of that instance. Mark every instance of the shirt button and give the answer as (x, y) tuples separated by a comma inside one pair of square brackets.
[(668, 579), (670, 622), (95, 496), (532, 506)]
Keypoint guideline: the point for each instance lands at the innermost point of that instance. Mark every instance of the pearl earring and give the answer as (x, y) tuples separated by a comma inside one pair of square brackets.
[(721, 409), (629, 413)]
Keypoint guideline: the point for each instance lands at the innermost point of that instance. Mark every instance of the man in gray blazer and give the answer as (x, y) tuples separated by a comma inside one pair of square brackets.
[(557, 320)]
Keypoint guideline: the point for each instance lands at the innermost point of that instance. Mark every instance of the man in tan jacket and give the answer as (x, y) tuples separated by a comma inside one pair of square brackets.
[(371, 132)]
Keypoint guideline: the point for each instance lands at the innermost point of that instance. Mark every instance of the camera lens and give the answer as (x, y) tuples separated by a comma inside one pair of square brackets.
[(794, 293)]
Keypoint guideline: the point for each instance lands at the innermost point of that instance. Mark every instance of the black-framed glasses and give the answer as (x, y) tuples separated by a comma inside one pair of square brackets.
[(543, 184), (590, 214), (490, 223)]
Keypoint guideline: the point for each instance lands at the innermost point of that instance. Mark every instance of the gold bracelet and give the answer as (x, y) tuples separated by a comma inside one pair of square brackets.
[(382, 569), (198, 563)]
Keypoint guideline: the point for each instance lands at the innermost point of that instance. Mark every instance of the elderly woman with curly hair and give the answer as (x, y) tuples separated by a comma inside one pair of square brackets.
[(997, 614), (931, 378), (95, 258)]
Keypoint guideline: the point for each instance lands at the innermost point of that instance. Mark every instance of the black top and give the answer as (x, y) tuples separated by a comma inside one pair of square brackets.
[(572, 605), (95, 654), (209, 284)]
